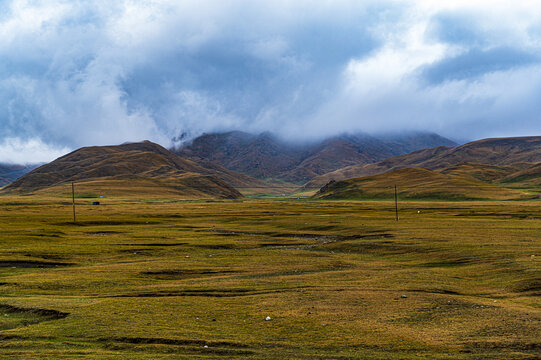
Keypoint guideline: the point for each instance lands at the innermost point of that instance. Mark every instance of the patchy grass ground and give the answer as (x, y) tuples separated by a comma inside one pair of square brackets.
[(147, 279)]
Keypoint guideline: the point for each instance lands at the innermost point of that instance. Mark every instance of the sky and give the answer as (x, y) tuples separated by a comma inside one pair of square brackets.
[(77, 73)]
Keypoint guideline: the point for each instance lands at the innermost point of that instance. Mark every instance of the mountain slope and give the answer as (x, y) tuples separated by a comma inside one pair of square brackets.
[(10, 172), (266, 156), (262, 156), (517, 152), (482, 172), (530, 176), (416, 183), (129, 166)]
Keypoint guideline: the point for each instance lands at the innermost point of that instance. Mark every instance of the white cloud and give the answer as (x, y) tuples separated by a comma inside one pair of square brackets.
[(195, 113), (29, 19), (29, 151), (77, 73)]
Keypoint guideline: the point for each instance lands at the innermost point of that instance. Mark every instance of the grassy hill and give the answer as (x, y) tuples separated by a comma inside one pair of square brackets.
[(137, 168), (184, 186), (528, 177), (417, 183), (483, 172), (519, 153)]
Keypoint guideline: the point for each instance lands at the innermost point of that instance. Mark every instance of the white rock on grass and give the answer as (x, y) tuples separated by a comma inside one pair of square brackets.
[(268, 318)]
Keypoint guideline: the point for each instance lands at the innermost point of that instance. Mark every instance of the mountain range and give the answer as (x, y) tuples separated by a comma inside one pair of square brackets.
[(512, 155), (226, 166), (505, 169), (267, 157)]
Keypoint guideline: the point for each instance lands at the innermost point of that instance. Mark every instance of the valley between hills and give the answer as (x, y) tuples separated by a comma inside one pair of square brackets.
[(240, 246)]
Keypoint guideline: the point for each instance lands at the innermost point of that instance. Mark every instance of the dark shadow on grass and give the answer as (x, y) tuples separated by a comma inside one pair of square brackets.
[(152, 347), (199, 292), (23, 264), (28, 316), (448, 263), (180, 342), (156, 244), (186, 273), (106, 223), (529, 286)]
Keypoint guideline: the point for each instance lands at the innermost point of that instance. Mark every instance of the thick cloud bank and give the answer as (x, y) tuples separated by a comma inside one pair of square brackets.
[(75, 73)]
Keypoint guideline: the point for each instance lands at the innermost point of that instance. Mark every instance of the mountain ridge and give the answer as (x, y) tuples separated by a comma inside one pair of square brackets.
[(267, 156), (520, 152)]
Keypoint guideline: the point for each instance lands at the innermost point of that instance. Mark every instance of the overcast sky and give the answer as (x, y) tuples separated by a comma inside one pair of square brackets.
[(76, 73)]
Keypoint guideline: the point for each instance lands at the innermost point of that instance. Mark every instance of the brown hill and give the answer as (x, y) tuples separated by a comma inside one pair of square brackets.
[(142, 165), (530, 176), (266, 156), (262, 156), (515, 152), (482, 172), (336, 152), (416, 183)]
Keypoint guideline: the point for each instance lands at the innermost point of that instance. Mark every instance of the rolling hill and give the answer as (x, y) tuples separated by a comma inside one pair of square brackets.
[(417, 183), (527, 177), (265, 156), (132, 169), (482, 172), (509, 154)]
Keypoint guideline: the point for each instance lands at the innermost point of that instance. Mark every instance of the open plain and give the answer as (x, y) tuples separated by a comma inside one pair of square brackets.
[(269, 278)]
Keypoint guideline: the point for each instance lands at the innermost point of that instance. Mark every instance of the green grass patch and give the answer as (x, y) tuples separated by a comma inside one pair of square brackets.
[(165, 278)]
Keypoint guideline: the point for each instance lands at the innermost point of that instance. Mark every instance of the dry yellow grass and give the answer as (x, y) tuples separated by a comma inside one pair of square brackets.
[(419, 183), (145, 279)]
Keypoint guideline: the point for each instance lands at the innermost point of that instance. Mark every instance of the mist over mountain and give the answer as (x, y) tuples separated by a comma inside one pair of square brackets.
[(76, 73), (11, 172), (268, 156)]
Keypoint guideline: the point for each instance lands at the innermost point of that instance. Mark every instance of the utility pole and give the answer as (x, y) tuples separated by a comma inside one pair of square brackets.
[(396, 203), (73, 200)]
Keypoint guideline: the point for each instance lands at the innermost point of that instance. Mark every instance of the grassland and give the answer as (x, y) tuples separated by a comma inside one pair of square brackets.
[(423, 184), (165, 278)]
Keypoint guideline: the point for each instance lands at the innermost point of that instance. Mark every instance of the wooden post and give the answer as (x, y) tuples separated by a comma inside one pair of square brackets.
[(73, 199), (396, 203)]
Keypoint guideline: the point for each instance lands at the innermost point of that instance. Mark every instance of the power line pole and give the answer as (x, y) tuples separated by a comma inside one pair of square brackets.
[(73, 200), (396, 203)]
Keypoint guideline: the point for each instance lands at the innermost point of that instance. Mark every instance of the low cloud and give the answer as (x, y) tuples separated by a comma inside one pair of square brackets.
[(84, 73), (30, 151)]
